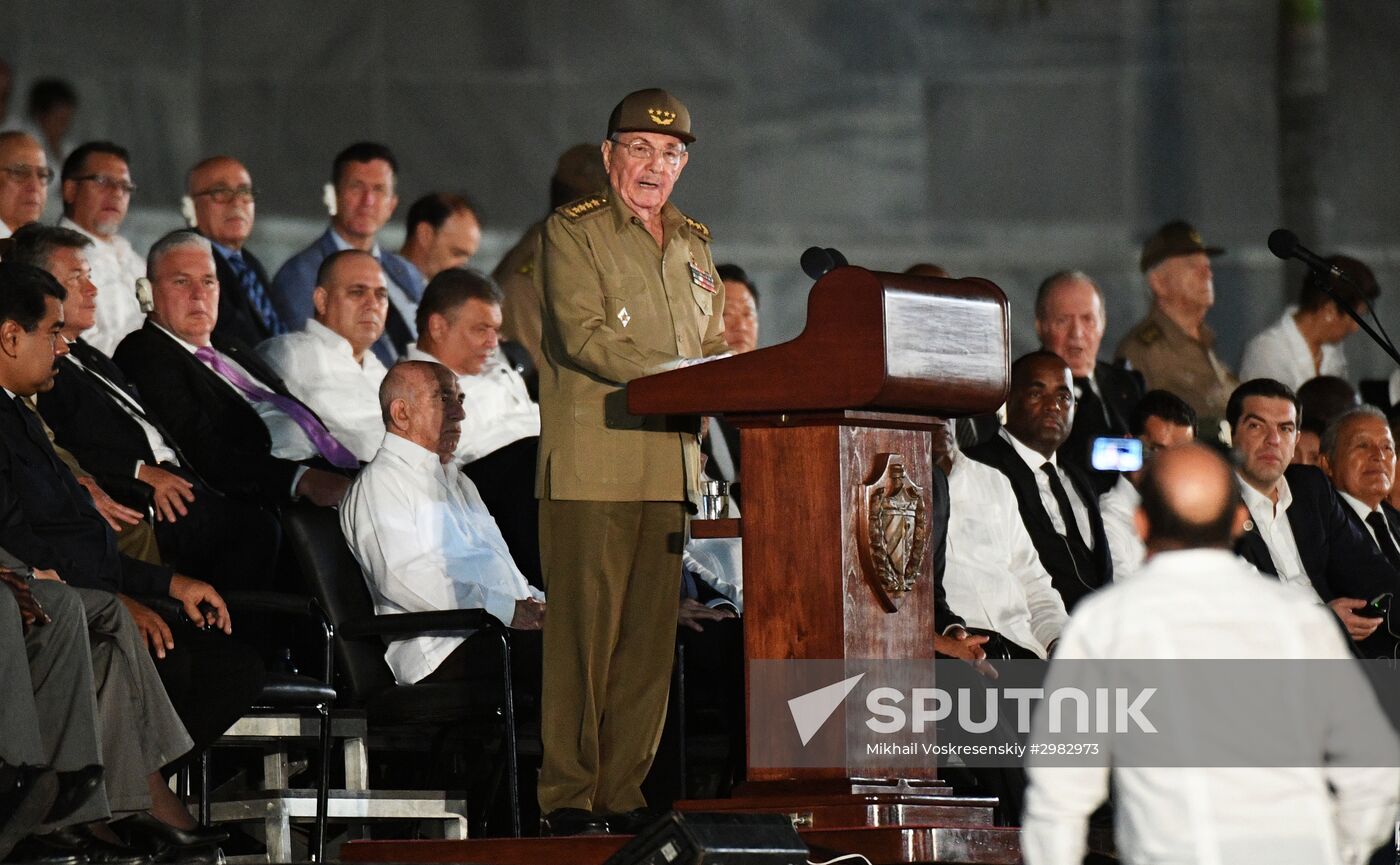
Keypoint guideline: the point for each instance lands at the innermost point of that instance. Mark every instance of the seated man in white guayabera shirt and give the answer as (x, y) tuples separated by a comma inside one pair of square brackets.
[(423, 538), (328, 364)]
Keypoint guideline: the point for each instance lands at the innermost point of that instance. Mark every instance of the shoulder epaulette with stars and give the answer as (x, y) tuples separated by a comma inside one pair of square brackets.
[(699, 228), (583, 206)]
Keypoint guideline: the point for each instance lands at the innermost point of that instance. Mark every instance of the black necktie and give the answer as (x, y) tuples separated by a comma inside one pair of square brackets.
[(1377, 521), (1083, 557)]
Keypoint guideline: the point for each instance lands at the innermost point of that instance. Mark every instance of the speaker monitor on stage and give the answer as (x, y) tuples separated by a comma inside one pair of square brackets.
[(696, 838)]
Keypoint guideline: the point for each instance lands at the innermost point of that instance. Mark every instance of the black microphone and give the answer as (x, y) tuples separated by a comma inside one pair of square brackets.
[(837, 259), (1284, 244), (816, 262)]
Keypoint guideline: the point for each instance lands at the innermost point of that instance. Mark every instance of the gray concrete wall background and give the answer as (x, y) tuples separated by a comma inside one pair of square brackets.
[(1002, 138)]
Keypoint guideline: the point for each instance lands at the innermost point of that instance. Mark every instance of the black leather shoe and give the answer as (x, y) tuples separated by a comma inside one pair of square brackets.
[(75, 788), (26, 795), (76, 844), (573, 821), (145, 832)]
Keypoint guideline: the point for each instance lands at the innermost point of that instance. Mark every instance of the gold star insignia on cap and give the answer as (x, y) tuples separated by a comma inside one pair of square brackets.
[(661, 117)]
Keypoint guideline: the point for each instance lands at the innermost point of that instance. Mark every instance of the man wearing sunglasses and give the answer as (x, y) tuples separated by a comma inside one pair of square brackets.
[(97, 191), (220, 201)]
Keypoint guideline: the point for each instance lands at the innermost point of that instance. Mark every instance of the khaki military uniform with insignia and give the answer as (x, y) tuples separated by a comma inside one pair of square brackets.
[(520, 311), (580, 169), (1170, 359), (613, 486), (1167, 356)]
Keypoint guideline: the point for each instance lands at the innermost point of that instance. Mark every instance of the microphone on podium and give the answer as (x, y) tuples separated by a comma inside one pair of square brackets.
[(817, 262)]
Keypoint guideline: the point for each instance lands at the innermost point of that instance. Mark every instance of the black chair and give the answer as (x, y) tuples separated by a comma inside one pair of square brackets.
[(364, 680)]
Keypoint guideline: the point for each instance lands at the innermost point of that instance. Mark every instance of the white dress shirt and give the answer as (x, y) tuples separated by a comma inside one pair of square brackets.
[(1272, 523), (115, 269), (1210, 604), (426, 542), (1362, 511), (1035, 460), (499, 409), (1118, 507), (318, 366), (159, 448), (993, 576), (1280, 352)]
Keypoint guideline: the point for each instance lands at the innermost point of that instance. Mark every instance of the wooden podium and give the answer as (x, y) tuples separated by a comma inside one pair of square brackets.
[(836, 436)]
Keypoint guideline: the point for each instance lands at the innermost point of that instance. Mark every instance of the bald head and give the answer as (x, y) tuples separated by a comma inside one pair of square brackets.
[(1190, 500), (421, 401)]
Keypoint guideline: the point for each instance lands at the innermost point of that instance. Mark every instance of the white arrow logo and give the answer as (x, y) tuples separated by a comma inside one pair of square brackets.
[(810, 711)]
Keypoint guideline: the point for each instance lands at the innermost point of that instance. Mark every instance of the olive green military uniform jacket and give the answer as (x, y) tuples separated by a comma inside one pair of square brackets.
[(616, 306), (520, 311), (1170, 359)]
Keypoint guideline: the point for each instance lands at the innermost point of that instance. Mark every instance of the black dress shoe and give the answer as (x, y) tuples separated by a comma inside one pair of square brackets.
[(573, 821), (78, 845), (26, 795), (143, 831), (75, 788)]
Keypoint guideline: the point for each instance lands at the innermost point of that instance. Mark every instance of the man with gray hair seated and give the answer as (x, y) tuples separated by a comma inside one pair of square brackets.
[(422, 536), (1358, 455), (243, 432)]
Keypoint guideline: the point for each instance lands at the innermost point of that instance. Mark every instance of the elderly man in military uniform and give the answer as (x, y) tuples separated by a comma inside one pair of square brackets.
[(628, 288), (1172, 347)]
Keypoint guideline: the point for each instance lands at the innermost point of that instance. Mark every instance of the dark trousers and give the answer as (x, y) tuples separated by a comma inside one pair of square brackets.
[(506, 480), (228, 543), (211, 678)]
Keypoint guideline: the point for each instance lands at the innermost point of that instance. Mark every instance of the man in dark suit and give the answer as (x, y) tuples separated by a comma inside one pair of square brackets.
[(48, 521), (1056, 500), (1300, 530), (99, 417), (221, 202), (363, 179), (1069, 319), (232, 418), (1358, 456)]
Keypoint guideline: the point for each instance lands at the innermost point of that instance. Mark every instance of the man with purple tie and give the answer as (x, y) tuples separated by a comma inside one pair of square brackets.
[(230, 414)]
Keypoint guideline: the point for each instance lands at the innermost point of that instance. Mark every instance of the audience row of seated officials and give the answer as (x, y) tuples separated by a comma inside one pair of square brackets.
[(48, 522)]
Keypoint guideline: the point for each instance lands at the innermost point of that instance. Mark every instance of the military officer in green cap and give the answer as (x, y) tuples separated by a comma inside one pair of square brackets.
[(628, 289), (1173, 347)]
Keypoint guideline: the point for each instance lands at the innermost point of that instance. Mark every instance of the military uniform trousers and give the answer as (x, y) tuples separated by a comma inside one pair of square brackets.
[(612, 578)]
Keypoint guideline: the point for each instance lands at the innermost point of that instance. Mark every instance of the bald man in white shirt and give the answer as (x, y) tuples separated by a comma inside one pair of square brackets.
[(328, 364), (1331, 802), (421, 534)]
